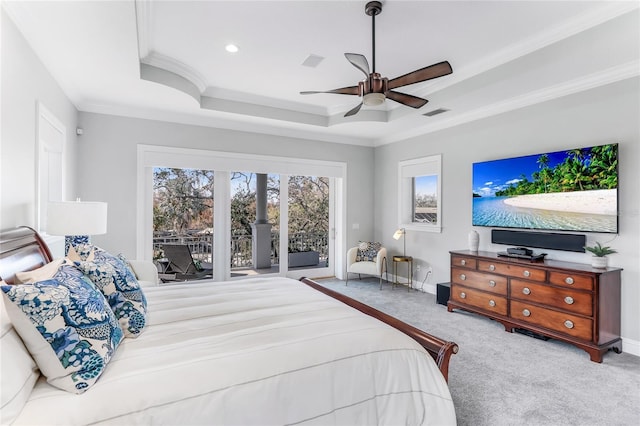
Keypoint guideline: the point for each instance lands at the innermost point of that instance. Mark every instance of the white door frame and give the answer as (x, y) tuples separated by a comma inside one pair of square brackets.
[(150, 156)]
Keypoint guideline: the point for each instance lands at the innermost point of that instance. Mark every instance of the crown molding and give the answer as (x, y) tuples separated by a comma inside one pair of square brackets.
[(143, 11), (234, 123), (536, 42), (172, 65), (601, 78), (171, 73)]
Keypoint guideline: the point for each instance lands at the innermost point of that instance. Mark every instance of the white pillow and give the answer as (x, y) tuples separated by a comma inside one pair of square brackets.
[(18, 370), (41, 274)]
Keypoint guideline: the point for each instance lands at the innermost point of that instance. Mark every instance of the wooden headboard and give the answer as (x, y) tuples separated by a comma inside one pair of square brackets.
[(21, 249)]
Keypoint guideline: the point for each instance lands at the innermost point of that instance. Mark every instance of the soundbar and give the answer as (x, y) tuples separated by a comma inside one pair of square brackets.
[(546, 240)]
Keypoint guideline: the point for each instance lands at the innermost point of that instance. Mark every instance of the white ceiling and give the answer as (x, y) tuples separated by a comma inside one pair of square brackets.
[(166, 59)]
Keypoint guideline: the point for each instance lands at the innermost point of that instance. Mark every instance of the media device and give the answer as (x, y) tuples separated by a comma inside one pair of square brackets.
[(547, 240), (523, 251), (532, 257), (571, 190), (443, 291)]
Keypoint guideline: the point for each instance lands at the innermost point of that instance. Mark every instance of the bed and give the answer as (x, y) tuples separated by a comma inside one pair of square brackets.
[(255, 351)]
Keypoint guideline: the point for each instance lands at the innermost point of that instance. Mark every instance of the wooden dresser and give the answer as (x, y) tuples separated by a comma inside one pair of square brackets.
[(571, 302)]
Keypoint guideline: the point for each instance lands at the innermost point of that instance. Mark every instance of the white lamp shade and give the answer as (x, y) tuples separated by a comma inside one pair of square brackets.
[(76, 218), (398, 234)]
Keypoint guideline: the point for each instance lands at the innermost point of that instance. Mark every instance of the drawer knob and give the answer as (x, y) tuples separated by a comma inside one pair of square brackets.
[(492, 267), (568, 300), (492, 283), (463, 262), (492, 303), (526, 273), (568, 324), (568, 280), (463, 277), (526, 312), (526, 291), (463, 295)]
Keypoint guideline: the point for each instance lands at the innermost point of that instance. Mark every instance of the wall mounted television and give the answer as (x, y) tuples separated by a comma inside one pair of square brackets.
[(571, 190)]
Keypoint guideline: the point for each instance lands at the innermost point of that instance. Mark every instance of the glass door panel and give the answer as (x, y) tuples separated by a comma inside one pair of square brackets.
[(255, 226), (308, 229), (183, 215)]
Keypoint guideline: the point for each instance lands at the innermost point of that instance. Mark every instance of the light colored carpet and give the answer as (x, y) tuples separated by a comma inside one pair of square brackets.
[(501, 378)]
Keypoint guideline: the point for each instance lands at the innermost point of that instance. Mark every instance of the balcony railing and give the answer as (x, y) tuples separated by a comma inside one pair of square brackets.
[(201, 246)]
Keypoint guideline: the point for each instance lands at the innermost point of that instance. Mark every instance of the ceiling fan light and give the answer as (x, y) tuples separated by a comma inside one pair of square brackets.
[(373, 99)]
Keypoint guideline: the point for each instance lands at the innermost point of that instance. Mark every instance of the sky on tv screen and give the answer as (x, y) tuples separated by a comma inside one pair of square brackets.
[(492, 176)]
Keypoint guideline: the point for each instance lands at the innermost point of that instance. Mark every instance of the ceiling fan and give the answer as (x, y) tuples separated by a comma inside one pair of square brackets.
[(375, 89)]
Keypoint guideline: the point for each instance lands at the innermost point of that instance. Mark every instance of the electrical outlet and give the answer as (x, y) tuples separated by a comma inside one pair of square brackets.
[(418, 267)]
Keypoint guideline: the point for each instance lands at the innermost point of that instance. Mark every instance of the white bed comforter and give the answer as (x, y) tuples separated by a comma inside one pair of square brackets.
[(259, 351)]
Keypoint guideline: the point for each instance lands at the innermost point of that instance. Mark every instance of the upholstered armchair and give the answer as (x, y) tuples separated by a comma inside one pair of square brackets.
[(368, 259)]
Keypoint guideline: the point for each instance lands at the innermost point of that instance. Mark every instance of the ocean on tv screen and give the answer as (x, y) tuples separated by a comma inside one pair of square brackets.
[(574, 190)]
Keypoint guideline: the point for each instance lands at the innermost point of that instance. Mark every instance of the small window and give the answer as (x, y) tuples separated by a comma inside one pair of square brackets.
[(425, 199), (419, 186)]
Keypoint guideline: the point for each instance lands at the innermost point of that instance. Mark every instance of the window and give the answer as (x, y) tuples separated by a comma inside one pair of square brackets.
[(419, 186)]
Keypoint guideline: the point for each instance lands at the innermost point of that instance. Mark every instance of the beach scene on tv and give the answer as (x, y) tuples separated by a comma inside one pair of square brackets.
[(573, 190)]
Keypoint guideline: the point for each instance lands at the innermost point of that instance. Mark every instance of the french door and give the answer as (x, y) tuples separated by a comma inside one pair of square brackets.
[(301, 212)]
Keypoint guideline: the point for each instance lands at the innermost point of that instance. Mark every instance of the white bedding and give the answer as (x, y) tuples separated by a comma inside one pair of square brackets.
[(258, 351)]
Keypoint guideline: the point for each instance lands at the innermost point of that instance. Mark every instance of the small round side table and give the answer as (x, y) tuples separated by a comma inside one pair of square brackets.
[(409, 261)]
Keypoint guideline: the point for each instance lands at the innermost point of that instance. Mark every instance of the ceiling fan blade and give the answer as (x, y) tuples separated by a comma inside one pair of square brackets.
[(427, 73), (351, 90), (408, 100), (353, 111), (358, 61)]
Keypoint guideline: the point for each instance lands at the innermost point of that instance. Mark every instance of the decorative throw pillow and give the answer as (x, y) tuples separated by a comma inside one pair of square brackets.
[(126, 262), (80, 252), (67, 327), (367, 251), (117, 282)]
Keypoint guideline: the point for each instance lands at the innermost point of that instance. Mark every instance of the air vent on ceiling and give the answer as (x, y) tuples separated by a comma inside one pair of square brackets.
[(312, 61), (435, 112)]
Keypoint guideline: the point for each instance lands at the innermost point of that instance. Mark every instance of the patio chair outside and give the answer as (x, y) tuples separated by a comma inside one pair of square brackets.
[(182, 264)]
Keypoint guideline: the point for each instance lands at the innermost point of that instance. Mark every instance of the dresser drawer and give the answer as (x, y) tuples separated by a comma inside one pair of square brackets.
[(513, 270), (478, 299), (565, 279), (480, 280), (561, 322), (579, 302), (464, 261)]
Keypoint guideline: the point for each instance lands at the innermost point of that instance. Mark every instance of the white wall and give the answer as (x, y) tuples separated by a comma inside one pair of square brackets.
[(107, 167), (25, 82), (603, 115)]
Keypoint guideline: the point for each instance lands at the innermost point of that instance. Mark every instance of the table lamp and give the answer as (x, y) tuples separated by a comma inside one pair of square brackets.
[(400, 233), (76, 220)]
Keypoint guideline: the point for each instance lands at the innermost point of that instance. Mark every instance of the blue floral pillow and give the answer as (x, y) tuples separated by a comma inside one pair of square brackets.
[(368, 251), (67, 327), (116, 281)]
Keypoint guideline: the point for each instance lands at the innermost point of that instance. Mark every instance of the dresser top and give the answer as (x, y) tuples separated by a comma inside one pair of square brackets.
[(548, 263)]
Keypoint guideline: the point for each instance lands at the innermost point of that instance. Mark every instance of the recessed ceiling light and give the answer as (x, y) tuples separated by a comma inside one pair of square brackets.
[(231, 48)]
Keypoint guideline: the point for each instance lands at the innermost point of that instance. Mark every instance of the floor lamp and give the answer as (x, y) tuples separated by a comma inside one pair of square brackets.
[(401, 233), (76, 220)]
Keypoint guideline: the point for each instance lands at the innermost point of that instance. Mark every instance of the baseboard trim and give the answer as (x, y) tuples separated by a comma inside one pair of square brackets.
[(416, 285), (631, 347)]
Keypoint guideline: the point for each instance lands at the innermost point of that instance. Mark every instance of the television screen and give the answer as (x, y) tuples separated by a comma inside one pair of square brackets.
[(573, 190)]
